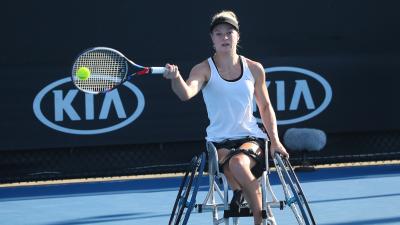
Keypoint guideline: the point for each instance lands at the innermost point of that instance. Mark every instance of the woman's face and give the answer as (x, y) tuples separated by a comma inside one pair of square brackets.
[(225, 38)]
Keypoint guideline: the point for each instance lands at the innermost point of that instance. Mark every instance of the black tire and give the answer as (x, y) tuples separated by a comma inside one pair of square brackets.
[(177, 213), (297, 193), (188, 190)]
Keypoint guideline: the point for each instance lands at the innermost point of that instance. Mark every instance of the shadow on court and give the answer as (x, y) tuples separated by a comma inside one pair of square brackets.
[(350, 195), (109, 218)]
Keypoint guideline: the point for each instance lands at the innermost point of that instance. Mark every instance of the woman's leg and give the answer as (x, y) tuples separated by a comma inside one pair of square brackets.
[(240, 168), (239, 176), (222, 154)]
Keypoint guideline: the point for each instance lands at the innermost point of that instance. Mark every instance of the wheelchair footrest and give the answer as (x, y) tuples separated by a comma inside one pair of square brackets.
[(243, 212)]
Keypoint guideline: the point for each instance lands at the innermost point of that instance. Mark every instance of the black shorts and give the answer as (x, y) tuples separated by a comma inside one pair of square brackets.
[(233, 146), (236, 143)]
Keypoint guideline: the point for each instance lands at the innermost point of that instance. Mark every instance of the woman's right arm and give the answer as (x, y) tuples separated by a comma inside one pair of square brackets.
[(186, 90)]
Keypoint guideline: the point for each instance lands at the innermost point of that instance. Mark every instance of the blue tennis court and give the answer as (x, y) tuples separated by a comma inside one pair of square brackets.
[(361, 195)]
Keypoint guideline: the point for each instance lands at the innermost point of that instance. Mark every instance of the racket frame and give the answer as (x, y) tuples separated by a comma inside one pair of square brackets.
[(129, 66)]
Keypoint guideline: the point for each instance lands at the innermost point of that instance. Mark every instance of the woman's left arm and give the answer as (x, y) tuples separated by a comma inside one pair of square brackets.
[(265, 108)]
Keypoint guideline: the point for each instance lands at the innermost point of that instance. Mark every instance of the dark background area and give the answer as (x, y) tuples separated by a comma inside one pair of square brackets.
[(351, 44)]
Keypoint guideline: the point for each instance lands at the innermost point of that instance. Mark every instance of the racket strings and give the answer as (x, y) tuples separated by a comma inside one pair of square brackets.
[(107, 68)]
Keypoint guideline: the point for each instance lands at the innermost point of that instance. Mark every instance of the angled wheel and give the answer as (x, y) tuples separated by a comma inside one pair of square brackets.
[(292, 174), (186, 198), (294, 194)]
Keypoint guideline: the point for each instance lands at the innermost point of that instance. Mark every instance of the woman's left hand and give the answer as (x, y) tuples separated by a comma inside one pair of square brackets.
[(278, 147)]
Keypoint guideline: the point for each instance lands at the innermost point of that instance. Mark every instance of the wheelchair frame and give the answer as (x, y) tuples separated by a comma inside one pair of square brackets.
[(294, 196)]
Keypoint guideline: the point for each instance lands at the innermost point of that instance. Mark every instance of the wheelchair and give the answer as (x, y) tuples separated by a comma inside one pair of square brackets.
[(217, 197)]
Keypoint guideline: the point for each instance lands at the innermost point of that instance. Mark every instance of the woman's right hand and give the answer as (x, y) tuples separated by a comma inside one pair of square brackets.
[(171, 72)]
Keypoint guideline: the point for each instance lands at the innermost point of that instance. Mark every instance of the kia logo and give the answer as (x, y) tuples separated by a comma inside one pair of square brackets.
[(62, 107), (296, 93)]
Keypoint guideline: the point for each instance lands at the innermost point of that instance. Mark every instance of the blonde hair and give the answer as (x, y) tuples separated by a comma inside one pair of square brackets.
[(229, 17), (226, 14)]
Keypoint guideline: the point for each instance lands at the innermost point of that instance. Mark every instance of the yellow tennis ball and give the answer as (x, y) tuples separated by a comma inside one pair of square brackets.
[(83, 73)]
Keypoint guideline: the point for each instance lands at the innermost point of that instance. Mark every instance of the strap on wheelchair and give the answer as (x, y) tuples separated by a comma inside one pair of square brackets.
[(257, 170)]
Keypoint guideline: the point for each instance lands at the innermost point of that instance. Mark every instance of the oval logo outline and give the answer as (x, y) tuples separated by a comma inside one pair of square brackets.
[(319, 78), (39, 115)]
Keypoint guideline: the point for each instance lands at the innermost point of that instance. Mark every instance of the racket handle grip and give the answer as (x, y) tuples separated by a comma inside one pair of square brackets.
[(157, 70)]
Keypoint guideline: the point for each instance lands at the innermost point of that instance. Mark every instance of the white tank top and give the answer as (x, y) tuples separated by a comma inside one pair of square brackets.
[(230, 105)]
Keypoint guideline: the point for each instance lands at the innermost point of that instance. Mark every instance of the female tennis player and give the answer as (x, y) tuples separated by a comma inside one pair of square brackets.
[(228, 82)]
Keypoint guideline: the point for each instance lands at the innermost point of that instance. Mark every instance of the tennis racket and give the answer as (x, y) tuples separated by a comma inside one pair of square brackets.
[(105, 69)]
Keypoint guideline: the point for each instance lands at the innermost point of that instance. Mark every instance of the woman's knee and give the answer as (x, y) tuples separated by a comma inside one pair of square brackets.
[(239, 162)]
